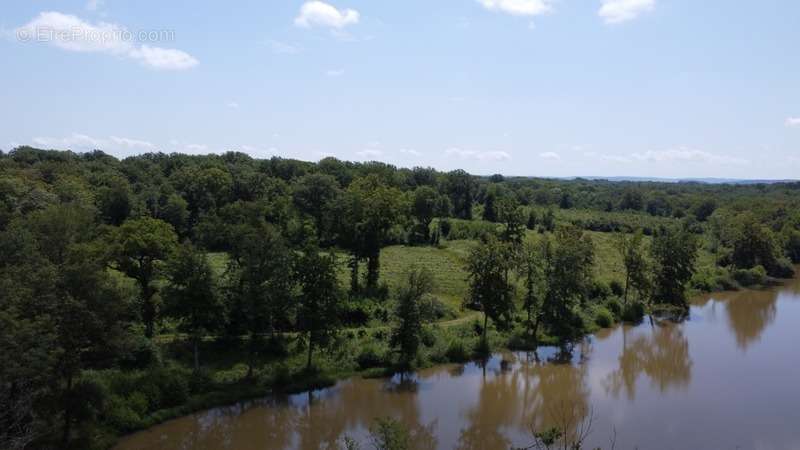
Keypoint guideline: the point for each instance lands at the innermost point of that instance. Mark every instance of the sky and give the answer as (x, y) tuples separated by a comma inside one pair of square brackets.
[(651, 88)]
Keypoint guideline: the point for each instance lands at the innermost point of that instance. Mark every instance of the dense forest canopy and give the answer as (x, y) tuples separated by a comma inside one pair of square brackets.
[(110, 269)]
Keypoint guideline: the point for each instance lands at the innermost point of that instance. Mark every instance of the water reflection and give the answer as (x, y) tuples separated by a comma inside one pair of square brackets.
[(653, 383), (661, 353)]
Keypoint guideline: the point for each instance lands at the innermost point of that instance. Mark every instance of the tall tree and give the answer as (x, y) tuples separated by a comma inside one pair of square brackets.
[(408, 327), (674, 252), (634, 260), (461, 187), (191, 296), (259, 284), (530, 270), (314, 194), (318, 304), (568, 260), (423, 208), (488, 265), (139, 247)]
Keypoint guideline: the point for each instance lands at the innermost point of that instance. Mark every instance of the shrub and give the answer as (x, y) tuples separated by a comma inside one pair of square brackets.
[(457, 352), (782, 268), (604, 318), (369, 357), (599, 290), (432, 309), (614, 305), (428, 337), (633, 312), (751, 277)]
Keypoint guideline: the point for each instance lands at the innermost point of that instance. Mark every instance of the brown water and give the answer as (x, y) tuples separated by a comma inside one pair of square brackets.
[(728, 378)]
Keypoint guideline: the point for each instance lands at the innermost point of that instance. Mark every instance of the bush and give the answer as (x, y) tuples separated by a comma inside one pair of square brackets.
[(599, 291), (457, 352), (432, 309), (751, 277), (604, 318), (427, 337), (633, 313), (369, 358), (782, 268), (614, 305)]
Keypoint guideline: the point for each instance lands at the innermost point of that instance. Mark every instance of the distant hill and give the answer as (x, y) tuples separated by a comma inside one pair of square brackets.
[(683, 180)]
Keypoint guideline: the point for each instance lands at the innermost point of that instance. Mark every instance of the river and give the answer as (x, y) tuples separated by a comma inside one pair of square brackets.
[(726, 378)]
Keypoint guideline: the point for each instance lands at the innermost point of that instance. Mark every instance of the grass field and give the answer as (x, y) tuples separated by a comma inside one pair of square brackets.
[(447, 263)]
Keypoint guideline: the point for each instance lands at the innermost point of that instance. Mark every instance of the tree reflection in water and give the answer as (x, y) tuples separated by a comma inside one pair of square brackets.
[(662, 354), (528, 394)]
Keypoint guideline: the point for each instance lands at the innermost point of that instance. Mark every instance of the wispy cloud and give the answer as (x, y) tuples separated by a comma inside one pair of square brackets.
[(493, 156), (552, 156), (334, 72), (370, 153), (793, 122), (618, 11), (683, 154), (321, 14), (518, 7), (70, 33), (84, 142), (410, 151), (232, 105)]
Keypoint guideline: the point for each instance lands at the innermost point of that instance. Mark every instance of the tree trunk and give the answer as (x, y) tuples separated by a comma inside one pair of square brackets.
[(148, 310), (627, 283), (310, 350), (197, 354), (373, 268), (485, 324)]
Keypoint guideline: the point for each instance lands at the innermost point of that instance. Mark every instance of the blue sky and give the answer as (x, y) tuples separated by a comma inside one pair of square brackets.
[(669, 88)]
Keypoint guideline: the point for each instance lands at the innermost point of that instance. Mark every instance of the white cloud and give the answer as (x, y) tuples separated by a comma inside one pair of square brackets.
[(317, 13), (410, 151), (283, 48), (604, 157), (83, 142), (793, 122), (370, 153), (69, 32), (132, 143), (480, 156), (75, 141), (519, 7), (196, 148), (683, 154), (232, 105), (334, 72), (163, 58), (552, 156), (618, 11)]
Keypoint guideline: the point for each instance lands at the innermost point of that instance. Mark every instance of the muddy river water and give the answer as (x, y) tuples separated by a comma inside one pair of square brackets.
[(727, 378)]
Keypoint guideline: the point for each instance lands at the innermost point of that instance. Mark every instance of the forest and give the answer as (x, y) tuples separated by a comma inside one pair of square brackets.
[(137, 290)]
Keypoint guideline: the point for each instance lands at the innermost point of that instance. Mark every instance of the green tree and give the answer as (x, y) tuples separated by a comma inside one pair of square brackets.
[(488, 266), (634, 260), (461, 187), (568, 264), (80, 304), (318, 305), (423, 208), (138, 248), (674, 252), (530, 270), (191, 296), (408, 328), (260, 283), (314, 194)]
